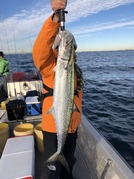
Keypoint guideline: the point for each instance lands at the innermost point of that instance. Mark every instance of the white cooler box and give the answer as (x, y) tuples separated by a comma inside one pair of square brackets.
[(33, 106), (18, 158)]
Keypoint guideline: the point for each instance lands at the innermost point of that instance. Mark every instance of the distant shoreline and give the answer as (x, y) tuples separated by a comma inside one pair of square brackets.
[(76, 51), (107, 50)]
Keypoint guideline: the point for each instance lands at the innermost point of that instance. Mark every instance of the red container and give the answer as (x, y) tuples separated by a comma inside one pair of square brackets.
[(18, 76)]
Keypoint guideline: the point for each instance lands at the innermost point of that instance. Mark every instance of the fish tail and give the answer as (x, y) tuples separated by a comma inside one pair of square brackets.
[(64, 162), (58, 157)]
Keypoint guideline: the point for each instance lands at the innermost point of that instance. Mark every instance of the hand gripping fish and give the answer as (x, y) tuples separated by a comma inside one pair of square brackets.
[(63, 97)]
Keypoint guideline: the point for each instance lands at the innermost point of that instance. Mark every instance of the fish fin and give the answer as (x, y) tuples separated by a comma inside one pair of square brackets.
[(50, 111), (64, 162), (75, 108), (58, 157), (55, 68)]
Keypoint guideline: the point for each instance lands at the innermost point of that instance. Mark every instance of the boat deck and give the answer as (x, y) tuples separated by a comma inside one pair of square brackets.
[(96, 158), (80, 170)]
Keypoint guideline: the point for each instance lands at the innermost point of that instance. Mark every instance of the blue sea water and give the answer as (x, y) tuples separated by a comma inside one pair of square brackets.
[(108, 98)]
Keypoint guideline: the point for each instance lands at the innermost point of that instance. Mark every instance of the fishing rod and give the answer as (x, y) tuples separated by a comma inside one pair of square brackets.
[(1, 44), (62, 18), (6, 38)]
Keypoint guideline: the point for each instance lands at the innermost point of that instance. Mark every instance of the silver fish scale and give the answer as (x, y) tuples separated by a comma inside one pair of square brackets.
[(63, 100), (63, 95)]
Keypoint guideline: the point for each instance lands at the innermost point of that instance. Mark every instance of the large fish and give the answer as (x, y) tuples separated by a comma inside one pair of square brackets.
[(63, 96)]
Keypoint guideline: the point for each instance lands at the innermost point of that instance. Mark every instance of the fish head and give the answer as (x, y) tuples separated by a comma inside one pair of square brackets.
[(64, 42)]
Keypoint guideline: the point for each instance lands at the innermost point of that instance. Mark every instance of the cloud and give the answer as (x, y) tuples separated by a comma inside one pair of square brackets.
[(83, 8), (20, 28), (88, 29), (23, 28)]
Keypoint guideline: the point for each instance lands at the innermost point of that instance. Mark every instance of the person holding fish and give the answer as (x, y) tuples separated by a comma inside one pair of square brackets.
[(54, 56)]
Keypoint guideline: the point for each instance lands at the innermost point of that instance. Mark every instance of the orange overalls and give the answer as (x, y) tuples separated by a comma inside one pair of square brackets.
[(45, 60)]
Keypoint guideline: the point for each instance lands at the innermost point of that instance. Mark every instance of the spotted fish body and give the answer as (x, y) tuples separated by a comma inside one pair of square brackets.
[(63, 97)]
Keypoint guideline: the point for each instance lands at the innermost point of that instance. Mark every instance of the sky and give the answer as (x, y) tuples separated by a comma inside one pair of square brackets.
[(96, 25)]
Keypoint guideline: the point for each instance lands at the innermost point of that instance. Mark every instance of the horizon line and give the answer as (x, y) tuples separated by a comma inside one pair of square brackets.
[(23, 53)]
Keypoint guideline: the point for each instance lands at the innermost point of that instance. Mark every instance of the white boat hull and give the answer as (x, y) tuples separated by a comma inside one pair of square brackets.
[(15, 88)]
